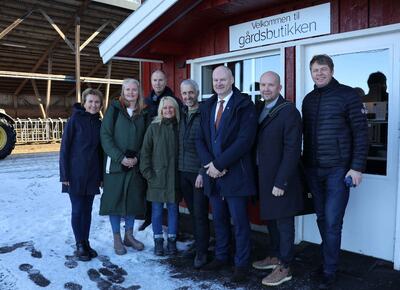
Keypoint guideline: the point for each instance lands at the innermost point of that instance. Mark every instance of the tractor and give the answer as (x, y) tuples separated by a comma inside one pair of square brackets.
[(7, 134)]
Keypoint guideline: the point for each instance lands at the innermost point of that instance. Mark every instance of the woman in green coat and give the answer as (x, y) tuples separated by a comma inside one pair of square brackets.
[(122, 132), (159, 165)]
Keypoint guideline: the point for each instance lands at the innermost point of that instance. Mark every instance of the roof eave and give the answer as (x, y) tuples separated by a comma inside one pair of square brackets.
[(132, 27)]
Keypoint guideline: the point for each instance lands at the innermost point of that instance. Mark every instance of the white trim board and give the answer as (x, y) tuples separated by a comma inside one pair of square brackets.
[(132, 26)]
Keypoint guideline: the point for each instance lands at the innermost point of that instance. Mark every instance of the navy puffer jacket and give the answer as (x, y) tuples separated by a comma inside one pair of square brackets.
[(335, 128)]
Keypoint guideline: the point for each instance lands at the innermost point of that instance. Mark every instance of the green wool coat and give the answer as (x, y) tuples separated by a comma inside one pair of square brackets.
[(159, 161), (123, 192)]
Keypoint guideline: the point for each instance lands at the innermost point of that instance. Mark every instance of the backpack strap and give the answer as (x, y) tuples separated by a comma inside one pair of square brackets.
[(278, 108)]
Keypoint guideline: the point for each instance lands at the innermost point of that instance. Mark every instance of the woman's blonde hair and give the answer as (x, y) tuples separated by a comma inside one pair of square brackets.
[(140, 102), (161, 105)]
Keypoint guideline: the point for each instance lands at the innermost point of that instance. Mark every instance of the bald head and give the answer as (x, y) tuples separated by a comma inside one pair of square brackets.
[(158, 81), (270, 86), (222, 81)]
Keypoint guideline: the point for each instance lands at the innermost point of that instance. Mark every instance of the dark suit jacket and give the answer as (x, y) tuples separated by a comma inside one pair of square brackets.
[(238, 135)]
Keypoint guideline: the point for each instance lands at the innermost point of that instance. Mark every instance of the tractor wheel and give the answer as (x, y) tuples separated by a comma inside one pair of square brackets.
[(7, 138)]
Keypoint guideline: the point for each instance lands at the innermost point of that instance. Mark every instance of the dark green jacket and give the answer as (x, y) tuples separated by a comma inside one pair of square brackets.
[(188, 128), (124, 191), (159, 161)]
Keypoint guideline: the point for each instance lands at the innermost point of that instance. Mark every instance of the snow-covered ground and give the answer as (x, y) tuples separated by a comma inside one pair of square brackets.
[(37, 244)]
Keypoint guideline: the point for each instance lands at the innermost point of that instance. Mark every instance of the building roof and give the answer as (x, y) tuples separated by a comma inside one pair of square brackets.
[(27, 38)]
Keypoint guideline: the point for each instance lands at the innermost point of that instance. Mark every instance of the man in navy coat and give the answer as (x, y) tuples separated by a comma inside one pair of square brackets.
[(227, 132), (280, 190)]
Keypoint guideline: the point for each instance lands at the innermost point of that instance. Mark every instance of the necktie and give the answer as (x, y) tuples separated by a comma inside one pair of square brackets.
[(219, 113)]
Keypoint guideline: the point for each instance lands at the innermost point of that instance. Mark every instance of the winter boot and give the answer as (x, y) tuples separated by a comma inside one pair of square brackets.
[(118, 246), (171, 246), (159, 246), (92, 252), (130, 241), (81, 252)]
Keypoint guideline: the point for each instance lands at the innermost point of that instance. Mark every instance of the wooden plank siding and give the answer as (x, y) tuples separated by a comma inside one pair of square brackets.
[(346, 15)]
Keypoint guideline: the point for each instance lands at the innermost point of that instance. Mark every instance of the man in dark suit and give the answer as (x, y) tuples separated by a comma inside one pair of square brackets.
[(227, 131), (280, 192)]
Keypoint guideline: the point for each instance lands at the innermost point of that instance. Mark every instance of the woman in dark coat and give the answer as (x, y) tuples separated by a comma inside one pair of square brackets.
[(159, 165), (122, 133), (80, 166)]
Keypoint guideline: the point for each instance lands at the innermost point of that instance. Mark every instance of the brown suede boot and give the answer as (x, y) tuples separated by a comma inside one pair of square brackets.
[(118, 246), (130, 241)]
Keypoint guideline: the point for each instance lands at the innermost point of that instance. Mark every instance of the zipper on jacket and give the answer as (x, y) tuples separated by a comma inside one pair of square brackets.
[(315, 152)]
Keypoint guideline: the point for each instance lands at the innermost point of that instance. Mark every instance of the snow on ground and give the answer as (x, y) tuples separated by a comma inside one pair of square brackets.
[(37, 244)]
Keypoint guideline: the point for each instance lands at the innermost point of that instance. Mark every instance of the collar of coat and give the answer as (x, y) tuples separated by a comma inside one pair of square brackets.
[(280, 104), (167, 92), (330, 86), (79, 109)]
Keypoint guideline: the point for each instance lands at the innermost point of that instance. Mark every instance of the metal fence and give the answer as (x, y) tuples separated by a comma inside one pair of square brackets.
[(39, 130)]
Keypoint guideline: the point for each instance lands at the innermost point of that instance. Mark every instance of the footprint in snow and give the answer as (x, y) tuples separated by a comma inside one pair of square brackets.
[(109, 276), (34, 275)]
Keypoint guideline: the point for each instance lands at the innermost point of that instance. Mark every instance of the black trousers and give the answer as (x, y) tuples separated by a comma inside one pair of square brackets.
[(281, 233), (81, 216), (197, 204)]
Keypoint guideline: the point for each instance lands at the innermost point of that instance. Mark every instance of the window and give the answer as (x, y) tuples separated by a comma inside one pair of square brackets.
[(370, 80), (246, 73)]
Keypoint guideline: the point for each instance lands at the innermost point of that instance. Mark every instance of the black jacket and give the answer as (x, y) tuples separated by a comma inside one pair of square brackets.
[(188, 127), (152, 100), (335, 128)]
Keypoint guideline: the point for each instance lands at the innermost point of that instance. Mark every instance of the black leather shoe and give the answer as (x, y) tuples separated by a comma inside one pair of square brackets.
[(92, 252), (215, 265), (328, 281), (240, 275), (190, 252), (200, 260), (82, 252)]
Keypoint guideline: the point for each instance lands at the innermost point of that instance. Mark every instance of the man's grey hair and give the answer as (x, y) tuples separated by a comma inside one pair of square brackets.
[(193, 84)]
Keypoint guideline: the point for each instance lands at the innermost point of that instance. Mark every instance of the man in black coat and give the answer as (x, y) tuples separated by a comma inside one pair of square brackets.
[(335, 148), (228, 128), (159, 90), (280, 190)]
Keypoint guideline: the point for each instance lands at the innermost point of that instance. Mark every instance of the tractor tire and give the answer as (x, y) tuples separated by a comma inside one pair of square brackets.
[(7, 138)]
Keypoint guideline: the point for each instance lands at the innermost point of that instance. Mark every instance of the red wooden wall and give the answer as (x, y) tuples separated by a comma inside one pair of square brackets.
[(347, 15)]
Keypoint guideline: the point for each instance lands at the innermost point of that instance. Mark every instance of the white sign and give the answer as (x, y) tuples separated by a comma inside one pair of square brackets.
[(292, 25)]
